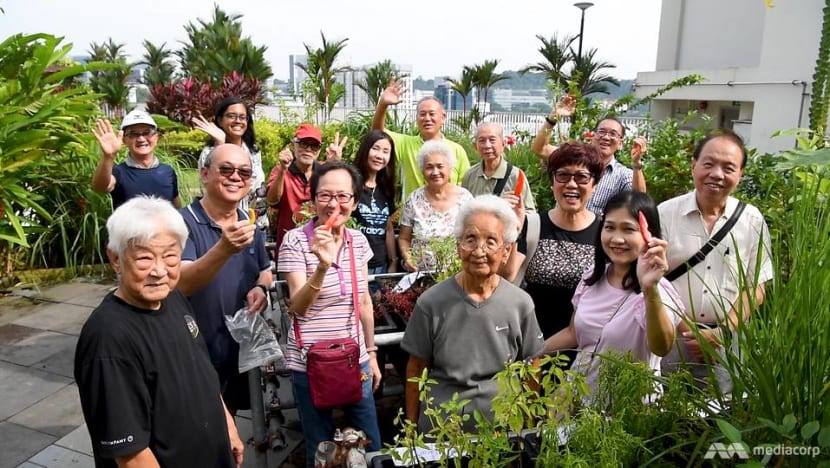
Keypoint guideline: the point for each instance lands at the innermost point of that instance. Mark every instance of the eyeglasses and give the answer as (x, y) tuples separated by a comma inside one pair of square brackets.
[(245, 173), (342, 197), (489, 246), (236, 117), (145, 134), (309, 145), (609, 133), (581, 178)]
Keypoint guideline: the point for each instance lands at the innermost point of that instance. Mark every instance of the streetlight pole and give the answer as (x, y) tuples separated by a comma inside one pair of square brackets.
[(582, 6)]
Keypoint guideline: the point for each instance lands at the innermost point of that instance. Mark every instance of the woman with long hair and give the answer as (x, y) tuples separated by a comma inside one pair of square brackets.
[(375, 160), (624, 304), (233, 122)]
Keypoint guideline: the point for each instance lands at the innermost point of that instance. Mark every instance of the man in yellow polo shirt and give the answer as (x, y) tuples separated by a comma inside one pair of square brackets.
[(430, 116)]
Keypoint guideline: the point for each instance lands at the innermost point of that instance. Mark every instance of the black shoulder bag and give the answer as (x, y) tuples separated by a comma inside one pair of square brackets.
[(701, 254)]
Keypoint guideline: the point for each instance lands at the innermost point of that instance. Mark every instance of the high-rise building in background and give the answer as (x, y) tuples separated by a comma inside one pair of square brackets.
[(451, 99), (296, 75), (356, 97)]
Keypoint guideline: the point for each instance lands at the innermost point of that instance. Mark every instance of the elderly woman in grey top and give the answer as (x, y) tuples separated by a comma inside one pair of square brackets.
[(430, 211), (467, 327)]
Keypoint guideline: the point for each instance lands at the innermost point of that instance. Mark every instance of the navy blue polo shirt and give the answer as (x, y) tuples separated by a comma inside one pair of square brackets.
[(226, 293), (131, 182)]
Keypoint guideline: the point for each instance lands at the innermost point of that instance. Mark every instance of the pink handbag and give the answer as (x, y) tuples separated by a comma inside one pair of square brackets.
[(333, 366)]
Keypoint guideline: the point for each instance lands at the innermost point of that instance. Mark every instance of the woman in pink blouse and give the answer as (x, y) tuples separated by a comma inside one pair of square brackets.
[(624, 304)]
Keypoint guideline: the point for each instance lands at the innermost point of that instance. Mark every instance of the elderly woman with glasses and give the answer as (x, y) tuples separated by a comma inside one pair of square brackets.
[(233, 122), (563, 236), (326, 268), (430, 211), (465, 329)]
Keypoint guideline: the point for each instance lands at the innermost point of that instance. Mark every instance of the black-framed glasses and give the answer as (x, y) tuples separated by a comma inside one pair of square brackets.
[(309, 145), (145, 134), (236, 117), (489, 246), (342, 197), (245, 173), (609, 133), (581, 178)]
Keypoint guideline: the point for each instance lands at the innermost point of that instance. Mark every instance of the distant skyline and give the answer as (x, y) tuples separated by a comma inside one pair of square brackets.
[(437, 38)]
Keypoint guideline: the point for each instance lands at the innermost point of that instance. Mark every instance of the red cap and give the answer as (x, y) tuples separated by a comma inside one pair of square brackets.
[(309, 131)]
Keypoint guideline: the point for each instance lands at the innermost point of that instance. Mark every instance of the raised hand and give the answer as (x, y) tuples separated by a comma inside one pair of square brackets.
[(238, 235), (638, 148), (109, 142), (324, 246), (210, 128), (652, 263), (517, 205), (392, 94), (334, 152), (565, 106), (286, 157)]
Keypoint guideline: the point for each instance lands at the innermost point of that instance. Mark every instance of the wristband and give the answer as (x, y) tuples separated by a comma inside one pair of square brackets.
[(637, 167), (312, 286), (371, 349), (263, 288), (552, 122)]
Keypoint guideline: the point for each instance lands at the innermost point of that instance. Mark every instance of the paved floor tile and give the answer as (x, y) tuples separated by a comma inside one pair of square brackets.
[(38, 347), (11, 333), (63, 318), (77, 440), (58, 414), (29, 465), (58, 363), (18, 444), (22, 387), (59, 457)]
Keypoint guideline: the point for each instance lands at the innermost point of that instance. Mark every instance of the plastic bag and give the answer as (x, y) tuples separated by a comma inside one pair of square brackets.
[(257, 344)]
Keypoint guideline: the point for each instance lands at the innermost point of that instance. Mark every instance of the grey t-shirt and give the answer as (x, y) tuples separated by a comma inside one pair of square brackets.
[(467, 343)]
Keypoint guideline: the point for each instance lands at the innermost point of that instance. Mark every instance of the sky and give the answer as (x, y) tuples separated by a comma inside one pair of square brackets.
[(435, 37)]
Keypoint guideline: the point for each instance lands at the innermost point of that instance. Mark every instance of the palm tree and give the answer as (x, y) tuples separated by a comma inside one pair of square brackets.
[(217, 47), (464, 86), (588, 77), (557, 54), (322, 70), (485, 76), (377, 79), (111, 83), (159, 70)]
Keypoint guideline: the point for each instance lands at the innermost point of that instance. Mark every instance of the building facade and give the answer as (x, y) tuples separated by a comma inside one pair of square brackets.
[(758, 64)]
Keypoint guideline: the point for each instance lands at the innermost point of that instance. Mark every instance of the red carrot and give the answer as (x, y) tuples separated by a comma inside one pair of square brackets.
[(330, 222), (520, 184), (644, 228)]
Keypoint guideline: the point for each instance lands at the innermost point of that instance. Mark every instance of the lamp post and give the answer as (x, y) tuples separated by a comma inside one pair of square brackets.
[(582, 6)]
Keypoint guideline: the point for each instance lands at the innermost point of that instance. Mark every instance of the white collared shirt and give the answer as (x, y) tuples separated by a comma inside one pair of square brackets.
[(711, 288)]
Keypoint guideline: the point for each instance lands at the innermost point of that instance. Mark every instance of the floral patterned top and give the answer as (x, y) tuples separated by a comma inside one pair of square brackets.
[(428, 223)]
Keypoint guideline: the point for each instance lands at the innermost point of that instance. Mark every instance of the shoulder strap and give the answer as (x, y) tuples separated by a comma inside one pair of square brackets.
[(503, 181), (701, 254), (355, 297), (534, 227)]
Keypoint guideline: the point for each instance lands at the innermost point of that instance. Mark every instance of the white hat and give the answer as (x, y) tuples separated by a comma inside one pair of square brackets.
[(137, 117)]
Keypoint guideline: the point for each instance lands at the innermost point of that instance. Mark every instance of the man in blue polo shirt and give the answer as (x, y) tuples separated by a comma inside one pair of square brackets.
[(141, 173), (224, 264)]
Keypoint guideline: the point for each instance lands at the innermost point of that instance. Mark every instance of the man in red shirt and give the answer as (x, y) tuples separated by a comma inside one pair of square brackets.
[(288, 187)]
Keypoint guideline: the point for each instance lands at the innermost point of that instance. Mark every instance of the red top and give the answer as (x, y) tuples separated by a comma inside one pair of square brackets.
[(297, 191)]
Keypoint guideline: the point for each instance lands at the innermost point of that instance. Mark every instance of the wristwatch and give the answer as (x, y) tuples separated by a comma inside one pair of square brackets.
[(637, 167), (552, 122)]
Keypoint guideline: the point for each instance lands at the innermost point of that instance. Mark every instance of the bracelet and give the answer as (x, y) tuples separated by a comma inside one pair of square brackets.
[(637, 167), (263, 288), (371, 349), (312, 286), (552, 122)]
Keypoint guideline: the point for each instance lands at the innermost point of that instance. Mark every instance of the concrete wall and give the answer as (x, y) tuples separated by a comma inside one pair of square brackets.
[(748, 53)]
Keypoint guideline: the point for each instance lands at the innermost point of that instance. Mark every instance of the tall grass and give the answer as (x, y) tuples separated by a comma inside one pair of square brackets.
[(785, 364)]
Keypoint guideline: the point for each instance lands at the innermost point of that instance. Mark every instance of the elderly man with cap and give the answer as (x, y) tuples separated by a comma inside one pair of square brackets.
[(288, 186), (141, 173)]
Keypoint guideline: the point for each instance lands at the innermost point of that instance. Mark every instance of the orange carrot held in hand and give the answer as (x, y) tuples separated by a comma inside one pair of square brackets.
[(520, 184), (252, 215), (644, 228), (330, 222)]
